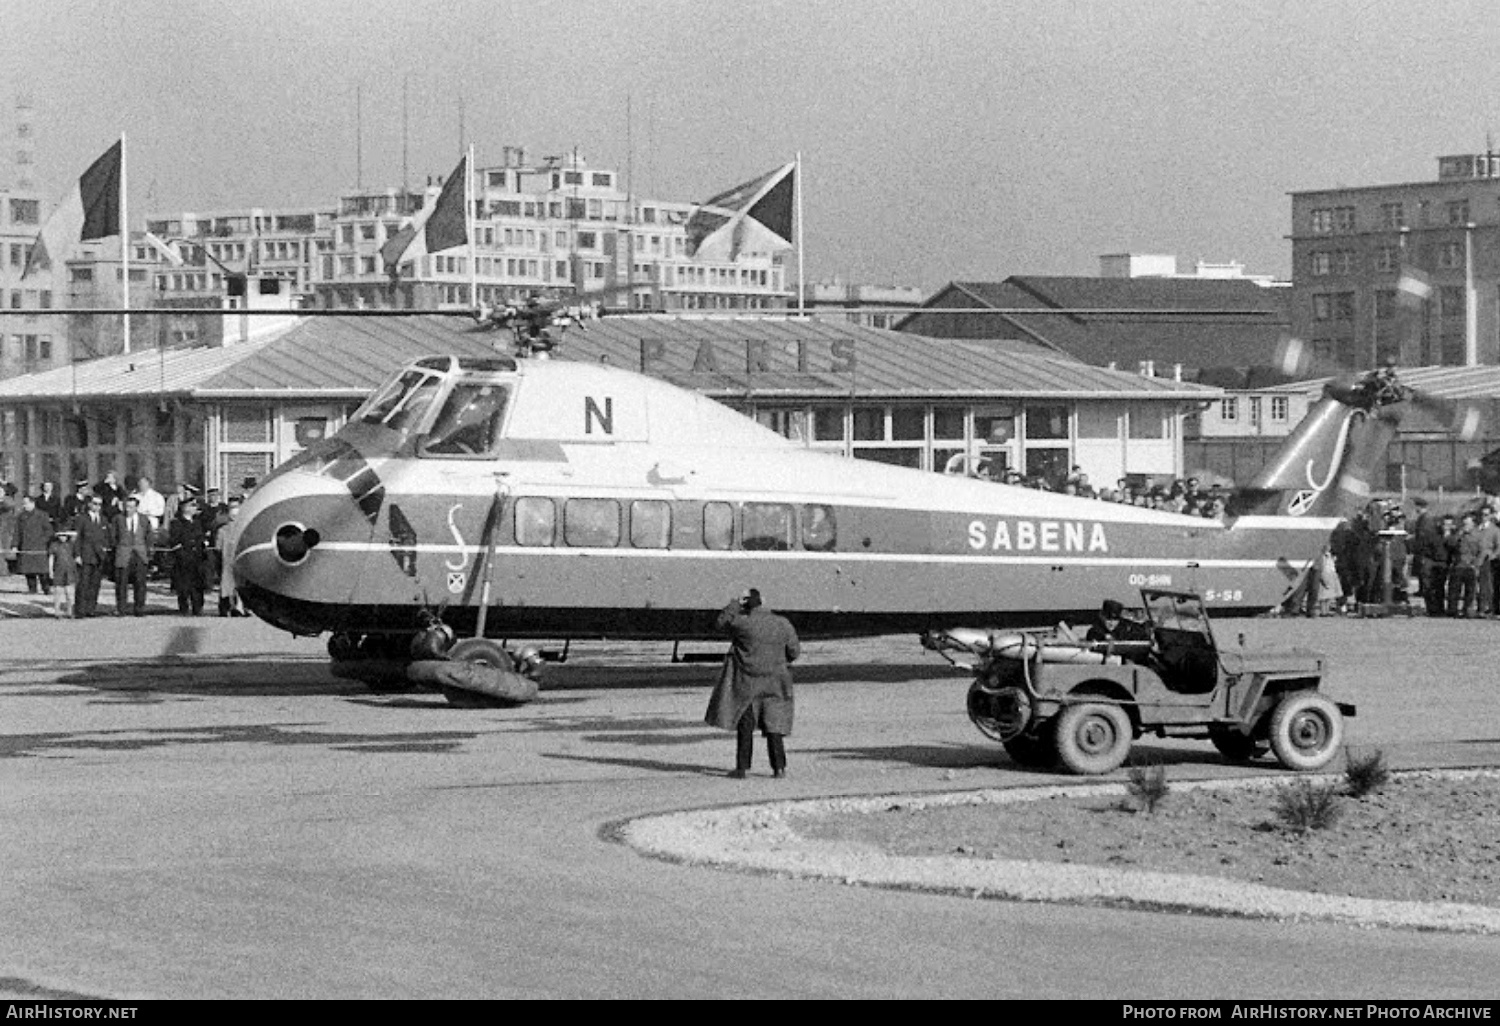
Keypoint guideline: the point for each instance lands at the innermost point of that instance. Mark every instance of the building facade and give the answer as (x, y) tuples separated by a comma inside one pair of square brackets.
[(1350, 247), (217, 416)]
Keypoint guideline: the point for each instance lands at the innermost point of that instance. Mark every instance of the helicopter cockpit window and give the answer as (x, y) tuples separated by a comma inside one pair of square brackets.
[(380, 407), (469, 422)]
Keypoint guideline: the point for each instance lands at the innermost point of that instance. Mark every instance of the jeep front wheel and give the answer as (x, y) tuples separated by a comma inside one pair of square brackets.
[(1306, 731), (1093, 738)]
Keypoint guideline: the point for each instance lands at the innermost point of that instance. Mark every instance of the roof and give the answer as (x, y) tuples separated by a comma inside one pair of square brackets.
[(348, 357), (1231, 323)]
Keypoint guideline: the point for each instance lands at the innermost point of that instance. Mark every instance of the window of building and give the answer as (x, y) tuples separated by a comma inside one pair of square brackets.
[(536, 521), (1150, 420), (1343, 261), (1279, 408), (1344, 220), (1046, 422), (1098, 420), (1321, 221), (1386, 258), (828, 423), (1229, 409), (1450, 255), (1392, 215), (591, 523), (603, 179), (1320, 264), (994, 425), (718, 525), (1458, 212), (1385, 304), (869, 424), (572, 177), (650, 523), (908, 424), (948, 424), (25, 211)]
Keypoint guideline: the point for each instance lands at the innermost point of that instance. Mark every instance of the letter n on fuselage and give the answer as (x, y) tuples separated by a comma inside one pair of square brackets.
[(592, 413)]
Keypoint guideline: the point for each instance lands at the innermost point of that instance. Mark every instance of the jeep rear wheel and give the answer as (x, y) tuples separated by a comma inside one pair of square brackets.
[(1093, 738), (1306, 731)]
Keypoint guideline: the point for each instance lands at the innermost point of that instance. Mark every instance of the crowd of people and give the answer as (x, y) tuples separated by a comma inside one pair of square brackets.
[(1449, 561), (1181, 495), (67, 546)]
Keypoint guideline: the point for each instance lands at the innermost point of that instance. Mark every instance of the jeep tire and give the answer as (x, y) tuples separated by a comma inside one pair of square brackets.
[(1307, 730), (1093, 737)]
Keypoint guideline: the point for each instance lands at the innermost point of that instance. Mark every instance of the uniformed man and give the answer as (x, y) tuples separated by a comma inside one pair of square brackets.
[(755, 688), (1113, 626)]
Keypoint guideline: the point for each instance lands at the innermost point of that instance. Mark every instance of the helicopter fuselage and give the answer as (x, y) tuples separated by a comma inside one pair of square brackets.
[(592, 502)]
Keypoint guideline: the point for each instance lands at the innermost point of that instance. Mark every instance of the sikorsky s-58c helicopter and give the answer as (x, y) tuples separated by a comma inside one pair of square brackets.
[(522, 497)]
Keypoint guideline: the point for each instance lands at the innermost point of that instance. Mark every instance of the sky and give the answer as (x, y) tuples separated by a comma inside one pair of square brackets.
[(940, 140)]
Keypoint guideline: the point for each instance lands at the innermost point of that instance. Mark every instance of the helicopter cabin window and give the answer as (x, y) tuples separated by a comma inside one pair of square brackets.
[(718, 525), (650, 524), (819, 531), (536, 521), (767, 526), (469, 422), (591, 523)]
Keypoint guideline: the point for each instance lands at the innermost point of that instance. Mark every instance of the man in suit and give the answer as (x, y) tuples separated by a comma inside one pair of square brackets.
[(132, 556), (756, 687), (95, 538)]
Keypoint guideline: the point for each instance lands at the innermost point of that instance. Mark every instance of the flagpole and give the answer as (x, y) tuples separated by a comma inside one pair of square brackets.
[(124, 244), (797, 185), (1471, 301), (469, 229)]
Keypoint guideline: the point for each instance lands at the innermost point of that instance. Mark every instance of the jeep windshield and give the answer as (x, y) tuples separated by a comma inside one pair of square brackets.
[(1176, 611)]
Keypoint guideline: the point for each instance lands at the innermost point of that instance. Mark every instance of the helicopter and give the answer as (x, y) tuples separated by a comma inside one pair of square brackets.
[(473, 500)]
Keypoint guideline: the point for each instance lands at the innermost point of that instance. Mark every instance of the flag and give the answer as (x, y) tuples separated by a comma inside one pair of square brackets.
[(437, 227), (755, 217), (90, 210), (164, 249), (1293, 357), (1413, 288)]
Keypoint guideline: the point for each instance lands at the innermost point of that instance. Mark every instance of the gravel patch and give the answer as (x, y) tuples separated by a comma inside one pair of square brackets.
[(1210, 848)]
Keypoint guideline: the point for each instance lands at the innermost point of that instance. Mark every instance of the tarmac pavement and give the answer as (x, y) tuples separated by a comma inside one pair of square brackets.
[(196, 808)]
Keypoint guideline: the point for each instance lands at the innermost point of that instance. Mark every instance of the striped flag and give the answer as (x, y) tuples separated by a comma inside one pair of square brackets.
[(1413, 288), (90, 210), (753, 217), (437, 227)]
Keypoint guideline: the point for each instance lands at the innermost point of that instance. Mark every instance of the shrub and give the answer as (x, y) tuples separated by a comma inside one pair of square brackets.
[(1366, 774), (1147, 786), (1305, 806)]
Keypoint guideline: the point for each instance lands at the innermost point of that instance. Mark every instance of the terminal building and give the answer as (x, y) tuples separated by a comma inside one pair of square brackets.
[(223, 415)]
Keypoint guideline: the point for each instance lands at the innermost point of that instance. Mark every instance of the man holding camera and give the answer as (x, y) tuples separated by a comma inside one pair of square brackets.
[(755, 688)]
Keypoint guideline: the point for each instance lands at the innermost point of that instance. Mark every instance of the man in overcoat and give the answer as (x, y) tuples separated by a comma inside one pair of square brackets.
[(132, 538), (755, 688), (33, 531), (95, 539), (188, 544)]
